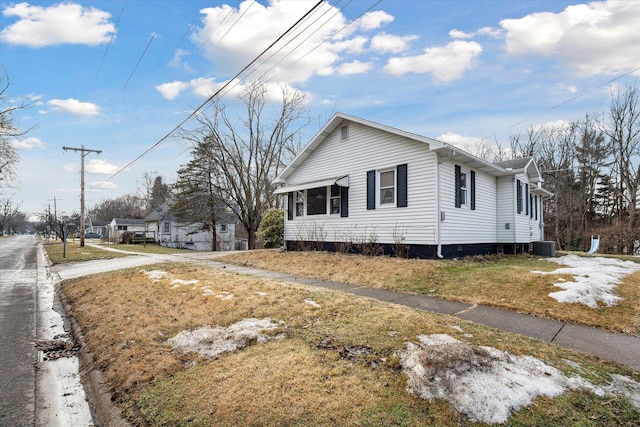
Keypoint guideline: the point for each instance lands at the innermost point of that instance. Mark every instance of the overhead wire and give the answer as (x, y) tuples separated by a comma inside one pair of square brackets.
[(210, 98), (113, 34), (153, 36)]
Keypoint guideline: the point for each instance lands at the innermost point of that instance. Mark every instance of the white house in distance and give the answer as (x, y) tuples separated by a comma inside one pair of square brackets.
[(172, 232), (119, 226), (360, 181)]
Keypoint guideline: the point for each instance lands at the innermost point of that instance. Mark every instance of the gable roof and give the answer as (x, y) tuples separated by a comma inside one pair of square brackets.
[(527, 165), (128, 221)]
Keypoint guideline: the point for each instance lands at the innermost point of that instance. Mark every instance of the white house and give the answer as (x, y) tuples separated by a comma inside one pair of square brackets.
[(119, 227), (172, 232), (358, 181)]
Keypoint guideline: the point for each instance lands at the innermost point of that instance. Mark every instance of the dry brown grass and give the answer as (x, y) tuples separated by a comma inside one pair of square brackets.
[(506, 282), (308, 378)]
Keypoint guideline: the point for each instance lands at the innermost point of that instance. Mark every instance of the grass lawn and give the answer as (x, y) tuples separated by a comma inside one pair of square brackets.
[(334, 362), (74, 252), (505, 281)]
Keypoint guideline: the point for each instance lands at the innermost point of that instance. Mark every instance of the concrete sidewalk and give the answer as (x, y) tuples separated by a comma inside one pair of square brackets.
[(620, 348)]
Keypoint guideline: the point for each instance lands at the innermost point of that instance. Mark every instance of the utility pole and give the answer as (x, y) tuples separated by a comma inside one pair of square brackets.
[(54, 223), (83, 152)]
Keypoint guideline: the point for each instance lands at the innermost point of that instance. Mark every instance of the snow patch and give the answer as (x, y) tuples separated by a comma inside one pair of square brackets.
[(225, 296), (181, 282), (312, 303), (595, 279), (481, 382), (210, 342), (155, 275)]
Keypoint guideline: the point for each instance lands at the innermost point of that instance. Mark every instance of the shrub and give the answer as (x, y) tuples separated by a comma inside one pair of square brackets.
[(271, 228)]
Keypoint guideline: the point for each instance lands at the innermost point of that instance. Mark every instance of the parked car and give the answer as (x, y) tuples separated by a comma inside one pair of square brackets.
[(89, 235)]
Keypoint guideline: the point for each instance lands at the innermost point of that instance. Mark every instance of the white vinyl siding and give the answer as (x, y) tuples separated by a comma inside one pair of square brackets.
[(506, 209), (465, 225), (370, 149)]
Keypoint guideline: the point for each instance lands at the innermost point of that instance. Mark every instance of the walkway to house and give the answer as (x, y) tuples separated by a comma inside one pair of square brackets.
[(621, 348)]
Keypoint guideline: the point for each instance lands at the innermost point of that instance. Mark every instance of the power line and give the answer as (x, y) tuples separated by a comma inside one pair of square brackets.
[(111, 39), (153, 36), (578, 96), (201, 106)]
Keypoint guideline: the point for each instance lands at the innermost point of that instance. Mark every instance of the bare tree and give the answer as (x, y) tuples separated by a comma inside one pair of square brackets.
[(623, 131), (153, 191), (10, 216), (127, 206), (249, 152), (9, 158)]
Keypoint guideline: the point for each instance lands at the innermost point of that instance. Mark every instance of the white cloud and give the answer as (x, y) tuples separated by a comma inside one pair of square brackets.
[(231, 43), (75, 107), (64, 23), (389, 43), (458, 34), (373, 20), (594, 38), (354, 67), (484, 31), (445, 63), (100, 166), (69, 167), (27, 143), (172, 89), (104, 185), (178, 62)]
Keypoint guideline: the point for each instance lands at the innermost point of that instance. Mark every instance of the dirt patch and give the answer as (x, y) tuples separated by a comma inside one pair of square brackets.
[(210, 342), (57, 348)]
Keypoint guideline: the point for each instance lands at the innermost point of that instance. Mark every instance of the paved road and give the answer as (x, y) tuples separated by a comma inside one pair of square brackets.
[(18, 356)]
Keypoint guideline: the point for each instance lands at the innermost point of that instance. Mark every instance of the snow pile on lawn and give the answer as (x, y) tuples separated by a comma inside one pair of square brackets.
[(210, 342), (157, 275), (595, 279), (483, 383)]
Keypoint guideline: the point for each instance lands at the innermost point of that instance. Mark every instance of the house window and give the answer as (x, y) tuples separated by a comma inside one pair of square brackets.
[(463, 188), (519, 196), (344, 132), (335, 199), (299, 203), (223, 228), (388, 187), (317, 201), (166, 228), (122, 228)]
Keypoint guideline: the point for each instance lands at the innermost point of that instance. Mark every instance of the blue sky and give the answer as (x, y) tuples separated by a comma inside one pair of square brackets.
[(118, 75)]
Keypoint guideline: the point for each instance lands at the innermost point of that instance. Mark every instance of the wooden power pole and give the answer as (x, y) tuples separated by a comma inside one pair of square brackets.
[(83, 152)]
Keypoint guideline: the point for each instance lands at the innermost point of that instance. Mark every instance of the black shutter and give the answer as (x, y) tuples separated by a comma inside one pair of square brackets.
[(344, 202), (526, 199), (458, 184), (519, 196), (371, 190), (401, 170), (473, 190), (290, 205)]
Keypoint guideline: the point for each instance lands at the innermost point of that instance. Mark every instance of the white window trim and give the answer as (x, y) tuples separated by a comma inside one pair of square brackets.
[(379, 203), (306, 198), (465, 188)]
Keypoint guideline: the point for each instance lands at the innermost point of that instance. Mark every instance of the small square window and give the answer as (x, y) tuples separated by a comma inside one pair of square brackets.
[(223, 228)]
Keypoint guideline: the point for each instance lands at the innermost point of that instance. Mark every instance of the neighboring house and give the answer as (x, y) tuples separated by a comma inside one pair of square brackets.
[(362, 182), (120, 226), (172, 232)]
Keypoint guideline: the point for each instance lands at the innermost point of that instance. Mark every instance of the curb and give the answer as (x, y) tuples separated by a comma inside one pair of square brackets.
[(103, 411)]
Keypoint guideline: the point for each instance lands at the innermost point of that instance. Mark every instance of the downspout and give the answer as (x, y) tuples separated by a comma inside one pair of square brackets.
[(438, 218)]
